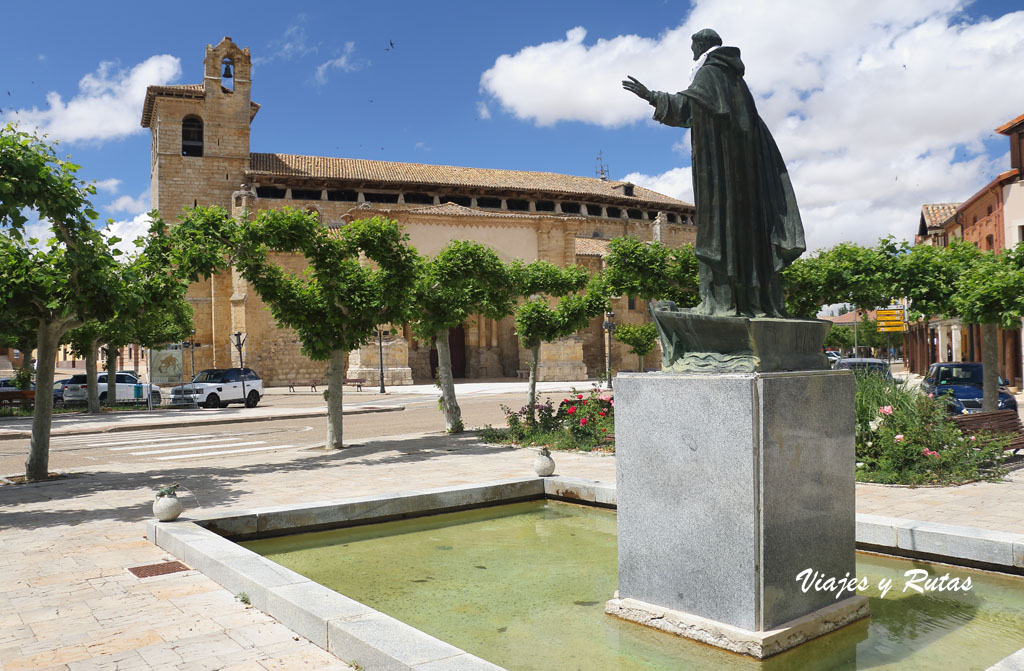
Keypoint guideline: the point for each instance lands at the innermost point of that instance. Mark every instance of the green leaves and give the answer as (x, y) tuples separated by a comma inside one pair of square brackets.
[(640, 337), (652, 271)]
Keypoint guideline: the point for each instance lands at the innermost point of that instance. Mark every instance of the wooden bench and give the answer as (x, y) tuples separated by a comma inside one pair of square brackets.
[(18, 397), (1006, 422), (312, 384), (356, 382)]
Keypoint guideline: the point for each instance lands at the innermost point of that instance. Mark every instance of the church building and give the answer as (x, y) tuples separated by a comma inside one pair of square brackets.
[(201, 157)]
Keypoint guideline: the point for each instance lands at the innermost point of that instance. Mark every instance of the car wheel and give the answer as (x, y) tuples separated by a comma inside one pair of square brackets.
[(103, 396), (212, 401), (252, 399), (223, 404)]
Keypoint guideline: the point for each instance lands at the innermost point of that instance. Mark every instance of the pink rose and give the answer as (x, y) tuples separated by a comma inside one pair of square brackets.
[(898, 437), (583, 421), (885, 410), (571, 410)]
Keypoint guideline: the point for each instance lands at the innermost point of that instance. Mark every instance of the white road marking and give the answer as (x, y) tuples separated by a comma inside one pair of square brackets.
[(171, 441), (105, 443), (191, 448), (214, 454)]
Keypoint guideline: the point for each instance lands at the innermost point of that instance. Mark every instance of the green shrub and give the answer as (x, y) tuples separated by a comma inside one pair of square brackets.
[(580, 422), (904, 437)]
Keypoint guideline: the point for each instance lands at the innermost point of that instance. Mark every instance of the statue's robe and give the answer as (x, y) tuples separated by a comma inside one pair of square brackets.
[(748, 224)]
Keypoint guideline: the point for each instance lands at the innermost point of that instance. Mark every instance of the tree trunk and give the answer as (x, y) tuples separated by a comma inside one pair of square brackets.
[(38, 462), (91, 385), (111, 375), (990, 366), (640, 363), (450, 406), (531, 397), (335, 382)]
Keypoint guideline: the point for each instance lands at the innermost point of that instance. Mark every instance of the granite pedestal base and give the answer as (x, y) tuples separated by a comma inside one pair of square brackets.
[(730, 485)]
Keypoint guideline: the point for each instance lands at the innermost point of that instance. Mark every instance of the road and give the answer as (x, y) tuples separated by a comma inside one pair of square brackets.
[(147, 448)]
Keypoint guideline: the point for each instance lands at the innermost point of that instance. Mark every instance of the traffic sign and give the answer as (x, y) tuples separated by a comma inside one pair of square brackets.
[(890, 329), (889, 323), (889, 314)]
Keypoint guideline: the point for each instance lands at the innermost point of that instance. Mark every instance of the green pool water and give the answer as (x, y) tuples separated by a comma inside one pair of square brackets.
[(524, 586)]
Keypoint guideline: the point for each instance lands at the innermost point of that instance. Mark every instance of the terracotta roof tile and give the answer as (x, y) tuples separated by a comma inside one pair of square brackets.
[(364, 170), (1009, 125), (936, 214), (592, 247)]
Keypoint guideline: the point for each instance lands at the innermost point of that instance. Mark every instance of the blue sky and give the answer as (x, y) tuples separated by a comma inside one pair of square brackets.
[(873, 104)]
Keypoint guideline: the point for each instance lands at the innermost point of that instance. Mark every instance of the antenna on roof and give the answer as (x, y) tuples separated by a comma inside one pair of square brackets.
[(602, 169)]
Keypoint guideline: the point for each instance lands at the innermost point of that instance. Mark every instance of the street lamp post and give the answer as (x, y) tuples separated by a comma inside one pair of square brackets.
[(239, 341), (609, 326), (380, 356)]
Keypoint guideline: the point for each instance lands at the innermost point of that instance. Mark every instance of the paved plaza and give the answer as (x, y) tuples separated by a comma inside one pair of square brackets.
[(68, 602)]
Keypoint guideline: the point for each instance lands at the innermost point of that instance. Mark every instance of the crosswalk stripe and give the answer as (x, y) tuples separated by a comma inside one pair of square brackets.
[(214, 454), (92, 437), (171, 441), (105, 443), (191, 448)]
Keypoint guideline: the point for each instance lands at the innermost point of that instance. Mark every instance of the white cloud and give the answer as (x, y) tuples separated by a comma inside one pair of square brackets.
[(422, 146), (294, 43), (128, 230), (131, 205), (482, 110), (109, 185), (108, 105), (345, 63), (865, 100)]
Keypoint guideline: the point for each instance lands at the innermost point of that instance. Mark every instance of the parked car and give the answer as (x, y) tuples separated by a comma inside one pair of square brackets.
[(963, 384), (833, 357), (864, 366), (219, 387), (58, 392), (127, 389)]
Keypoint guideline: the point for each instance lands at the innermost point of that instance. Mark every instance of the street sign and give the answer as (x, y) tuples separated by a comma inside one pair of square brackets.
[(890, 329), (889, 323), (889, 314)]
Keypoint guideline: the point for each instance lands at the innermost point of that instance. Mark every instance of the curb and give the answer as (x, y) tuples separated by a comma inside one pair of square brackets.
[(169, 424)]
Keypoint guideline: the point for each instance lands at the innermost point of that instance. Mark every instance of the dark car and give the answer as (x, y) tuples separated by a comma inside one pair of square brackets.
[(962, 384), (862, 366)]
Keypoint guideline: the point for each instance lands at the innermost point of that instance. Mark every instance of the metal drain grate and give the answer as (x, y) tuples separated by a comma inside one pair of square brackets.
[(163, 568)]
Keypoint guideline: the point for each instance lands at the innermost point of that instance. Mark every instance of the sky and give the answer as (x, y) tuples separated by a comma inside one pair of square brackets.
[(878, 106)]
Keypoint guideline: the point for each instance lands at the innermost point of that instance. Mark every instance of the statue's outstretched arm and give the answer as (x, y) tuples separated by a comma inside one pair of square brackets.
[(633, 85)]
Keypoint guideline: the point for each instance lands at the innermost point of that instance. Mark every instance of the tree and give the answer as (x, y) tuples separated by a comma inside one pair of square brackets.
[(60, 285), (839, 336), (465, 278), (337, 304), (640, 338), (651, 271), (990, 292), (580, 298)]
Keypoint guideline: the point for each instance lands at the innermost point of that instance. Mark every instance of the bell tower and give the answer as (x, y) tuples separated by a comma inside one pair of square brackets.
[(200, 147), (199, 156)]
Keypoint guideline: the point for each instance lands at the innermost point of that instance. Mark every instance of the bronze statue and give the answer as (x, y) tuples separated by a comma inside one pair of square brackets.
[(748, 224)]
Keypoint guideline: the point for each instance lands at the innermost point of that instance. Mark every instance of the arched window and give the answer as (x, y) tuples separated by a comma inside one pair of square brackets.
[(227, 75), (191, 136)]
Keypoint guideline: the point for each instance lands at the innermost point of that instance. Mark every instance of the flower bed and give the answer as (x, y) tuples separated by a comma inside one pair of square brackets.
[(581, 421), (904, 437)]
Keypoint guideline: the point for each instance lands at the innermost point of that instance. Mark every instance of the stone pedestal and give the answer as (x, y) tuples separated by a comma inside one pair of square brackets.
[(365, 362), (728, 486)]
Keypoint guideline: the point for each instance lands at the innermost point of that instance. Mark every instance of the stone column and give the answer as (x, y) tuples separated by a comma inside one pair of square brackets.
[(957, 344), (943, 333), (726, 497)]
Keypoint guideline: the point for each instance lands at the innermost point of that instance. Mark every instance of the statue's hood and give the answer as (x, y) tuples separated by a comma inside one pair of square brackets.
[(726, 57)]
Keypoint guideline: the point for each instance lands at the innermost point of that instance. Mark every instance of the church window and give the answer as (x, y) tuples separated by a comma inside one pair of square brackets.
[(571, 208), (380, 197), (227, 75), (412, 198), (305, 194), (631, 303), (488, 202), (614, 213), (342, 195), (635, 214), (315, 212), (989, 242), (672, 218), (191, 136), (597, 234), (990, 209), (545, 206), (269, 192), (518, 205), (464, 201)]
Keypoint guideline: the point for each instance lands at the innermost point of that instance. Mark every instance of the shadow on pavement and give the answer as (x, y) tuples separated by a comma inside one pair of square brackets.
[(127, 496)]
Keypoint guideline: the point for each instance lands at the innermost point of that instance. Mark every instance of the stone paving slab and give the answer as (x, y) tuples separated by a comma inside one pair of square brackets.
[(67, 601)]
